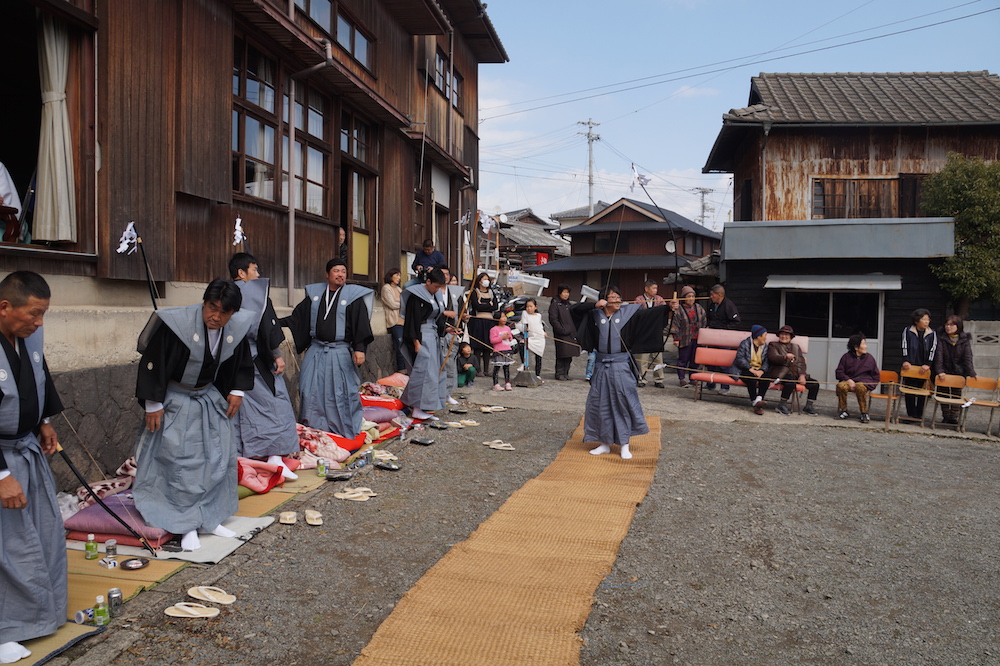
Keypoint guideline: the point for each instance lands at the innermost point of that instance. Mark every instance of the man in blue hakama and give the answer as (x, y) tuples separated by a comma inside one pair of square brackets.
[(33, 595), (616, 331), (332, 325), (424, 345), (195, 367), (265, 424)]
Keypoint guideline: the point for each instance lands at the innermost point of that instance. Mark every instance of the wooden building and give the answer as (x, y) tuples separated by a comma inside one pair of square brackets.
[(175, 114), (827, 180), (525, 242), (627, 243)]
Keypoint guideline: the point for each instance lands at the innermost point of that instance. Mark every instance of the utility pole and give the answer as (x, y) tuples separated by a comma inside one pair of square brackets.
[(591, 138), (704, 209)]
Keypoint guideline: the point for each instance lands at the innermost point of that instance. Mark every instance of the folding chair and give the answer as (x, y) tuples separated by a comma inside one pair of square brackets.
[(981, 384), (922, 390), (889, 382), (941, 397)]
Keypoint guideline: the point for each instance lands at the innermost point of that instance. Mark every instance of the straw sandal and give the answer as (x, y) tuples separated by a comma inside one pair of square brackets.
[(287, 517), (215, 595), (188, 609), (313, 517), (492, 442), (469, 422), (502, 446), (384, 455), (364, 491), (454, 424), (352, 497)]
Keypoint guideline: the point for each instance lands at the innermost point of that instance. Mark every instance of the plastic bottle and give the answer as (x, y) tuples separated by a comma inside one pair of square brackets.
[(90, 548), (101, 613)]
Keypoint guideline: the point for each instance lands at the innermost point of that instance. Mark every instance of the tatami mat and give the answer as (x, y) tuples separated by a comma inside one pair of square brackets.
[(519, 589)]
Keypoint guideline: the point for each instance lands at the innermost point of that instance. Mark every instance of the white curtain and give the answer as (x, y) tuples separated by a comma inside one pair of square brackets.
[(55, 203)]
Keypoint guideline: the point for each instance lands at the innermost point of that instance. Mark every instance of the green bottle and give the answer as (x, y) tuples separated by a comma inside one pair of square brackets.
[(90, 548), (101, 614)]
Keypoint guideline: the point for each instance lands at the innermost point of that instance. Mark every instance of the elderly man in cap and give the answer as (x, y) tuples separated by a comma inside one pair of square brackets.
[(752, 365), (788, 368)]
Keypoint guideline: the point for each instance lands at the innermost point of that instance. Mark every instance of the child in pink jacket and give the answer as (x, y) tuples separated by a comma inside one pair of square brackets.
[(502, 339)]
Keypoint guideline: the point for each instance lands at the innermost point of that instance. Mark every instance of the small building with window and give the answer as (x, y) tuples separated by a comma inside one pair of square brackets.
[(828, 235), (627, 243)]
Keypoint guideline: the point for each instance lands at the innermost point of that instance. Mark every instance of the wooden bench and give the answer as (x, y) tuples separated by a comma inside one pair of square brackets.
[(717, 347)]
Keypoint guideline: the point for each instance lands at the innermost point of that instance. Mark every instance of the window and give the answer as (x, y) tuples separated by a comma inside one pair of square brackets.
[(312, 152), (449, 83), (854, 198), (824, 314), (255, 122), (694, 245), (355, 138), (353, 40), (605, 242), (456, 90), (318, 10)]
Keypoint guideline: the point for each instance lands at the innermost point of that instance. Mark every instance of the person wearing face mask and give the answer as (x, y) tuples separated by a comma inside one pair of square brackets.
[(616, 331), (196, 364), (483, 303)]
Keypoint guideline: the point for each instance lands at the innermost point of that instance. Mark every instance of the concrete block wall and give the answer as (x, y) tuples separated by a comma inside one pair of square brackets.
[(985, 347)]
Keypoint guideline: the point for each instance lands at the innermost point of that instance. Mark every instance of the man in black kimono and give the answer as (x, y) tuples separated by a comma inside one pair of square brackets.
[(195, 367), (332, 325), (33, 595)]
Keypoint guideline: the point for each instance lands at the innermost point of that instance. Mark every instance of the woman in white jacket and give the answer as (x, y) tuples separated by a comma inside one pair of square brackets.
[(534, 334)]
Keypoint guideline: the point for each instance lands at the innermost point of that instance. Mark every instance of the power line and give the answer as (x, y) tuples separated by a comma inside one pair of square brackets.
[(754, 62)]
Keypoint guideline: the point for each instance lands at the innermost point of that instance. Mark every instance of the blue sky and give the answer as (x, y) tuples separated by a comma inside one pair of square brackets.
[(699, 56)]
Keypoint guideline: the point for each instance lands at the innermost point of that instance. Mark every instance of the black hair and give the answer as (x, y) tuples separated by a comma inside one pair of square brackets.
[(531, 300), (953, 319), (428, 242), (436, 275), (610, 289), (561, 288), (463, 345), (650, 283), (19, 286), (389, 273), (919, 314), (226, 292), (336, 261), (240, 262), (498, 314), (855, 341)]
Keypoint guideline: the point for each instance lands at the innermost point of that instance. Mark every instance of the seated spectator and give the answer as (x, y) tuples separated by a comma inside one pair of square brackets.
[(954, 357), (788, 367), (857, 372), (752, 365), (466, 364)]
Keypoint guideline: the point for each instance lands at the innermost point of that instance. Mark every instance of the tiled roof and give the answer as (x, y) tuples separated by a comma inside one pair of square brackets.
[(914, 98), (527, 234), (582, 211)]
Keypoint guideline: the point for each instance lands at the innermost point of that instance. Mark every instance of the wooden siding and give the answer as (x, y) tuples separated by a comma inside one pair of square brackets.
[(796, 156), (136, 115), (205, 102), (395, 214), (745, 286)]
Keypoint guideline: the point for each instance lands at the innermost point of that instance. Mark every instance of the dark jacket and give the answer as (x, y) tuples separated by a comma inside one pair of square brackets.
[(954, 359), (916, 351), (742, 361), (723, 315), (563, 329), (781, 367), (862, 369)]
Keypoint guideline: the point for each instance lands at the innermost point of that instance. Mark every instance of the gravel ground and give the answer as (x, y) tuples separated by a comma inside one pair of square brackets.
[(763, 540)]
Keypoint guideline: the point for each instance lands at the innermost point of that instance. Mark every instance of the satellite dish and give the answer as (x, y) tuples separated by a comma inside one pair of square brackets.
[(669, 246), (503, 219)]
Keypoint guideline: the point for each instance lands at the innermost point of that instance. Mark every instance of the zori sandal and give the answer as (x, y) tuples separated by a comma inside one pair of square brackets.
[(287, 517), (313, 517), (388, 464), (469, 422), (352, 497), (502, 446), (384, 455), (215, 595), (364, 491), (492, 442), (454, 424), (188, 609)]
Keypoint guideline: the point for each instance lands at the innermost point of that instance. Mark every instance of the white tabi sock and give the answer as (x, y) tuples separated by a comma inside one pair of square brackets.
[(626, 454), (285, 472), (756, 400), (223, 532), (11, 652), (190, 541), (603, 448), (452, 401)]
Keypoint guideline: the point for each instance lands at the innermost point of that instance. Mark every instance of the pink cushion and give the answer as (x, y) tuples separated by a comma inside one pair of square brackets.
[(95, 519)]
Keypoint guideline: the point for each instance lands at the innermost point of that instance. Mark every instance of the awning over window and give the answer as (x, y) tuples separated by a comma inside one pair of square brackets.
[(835, 282)]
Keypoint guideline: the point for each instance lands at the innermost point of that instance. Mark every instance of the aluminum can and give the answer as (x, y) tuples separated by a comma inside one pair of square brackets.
[(321, 467), (115, 601), (85, 616)]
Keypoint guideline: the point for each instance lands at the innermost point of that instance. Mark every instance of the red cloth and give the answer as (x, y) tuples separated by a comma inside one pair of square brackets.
[(258, 476), (122, 539)]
